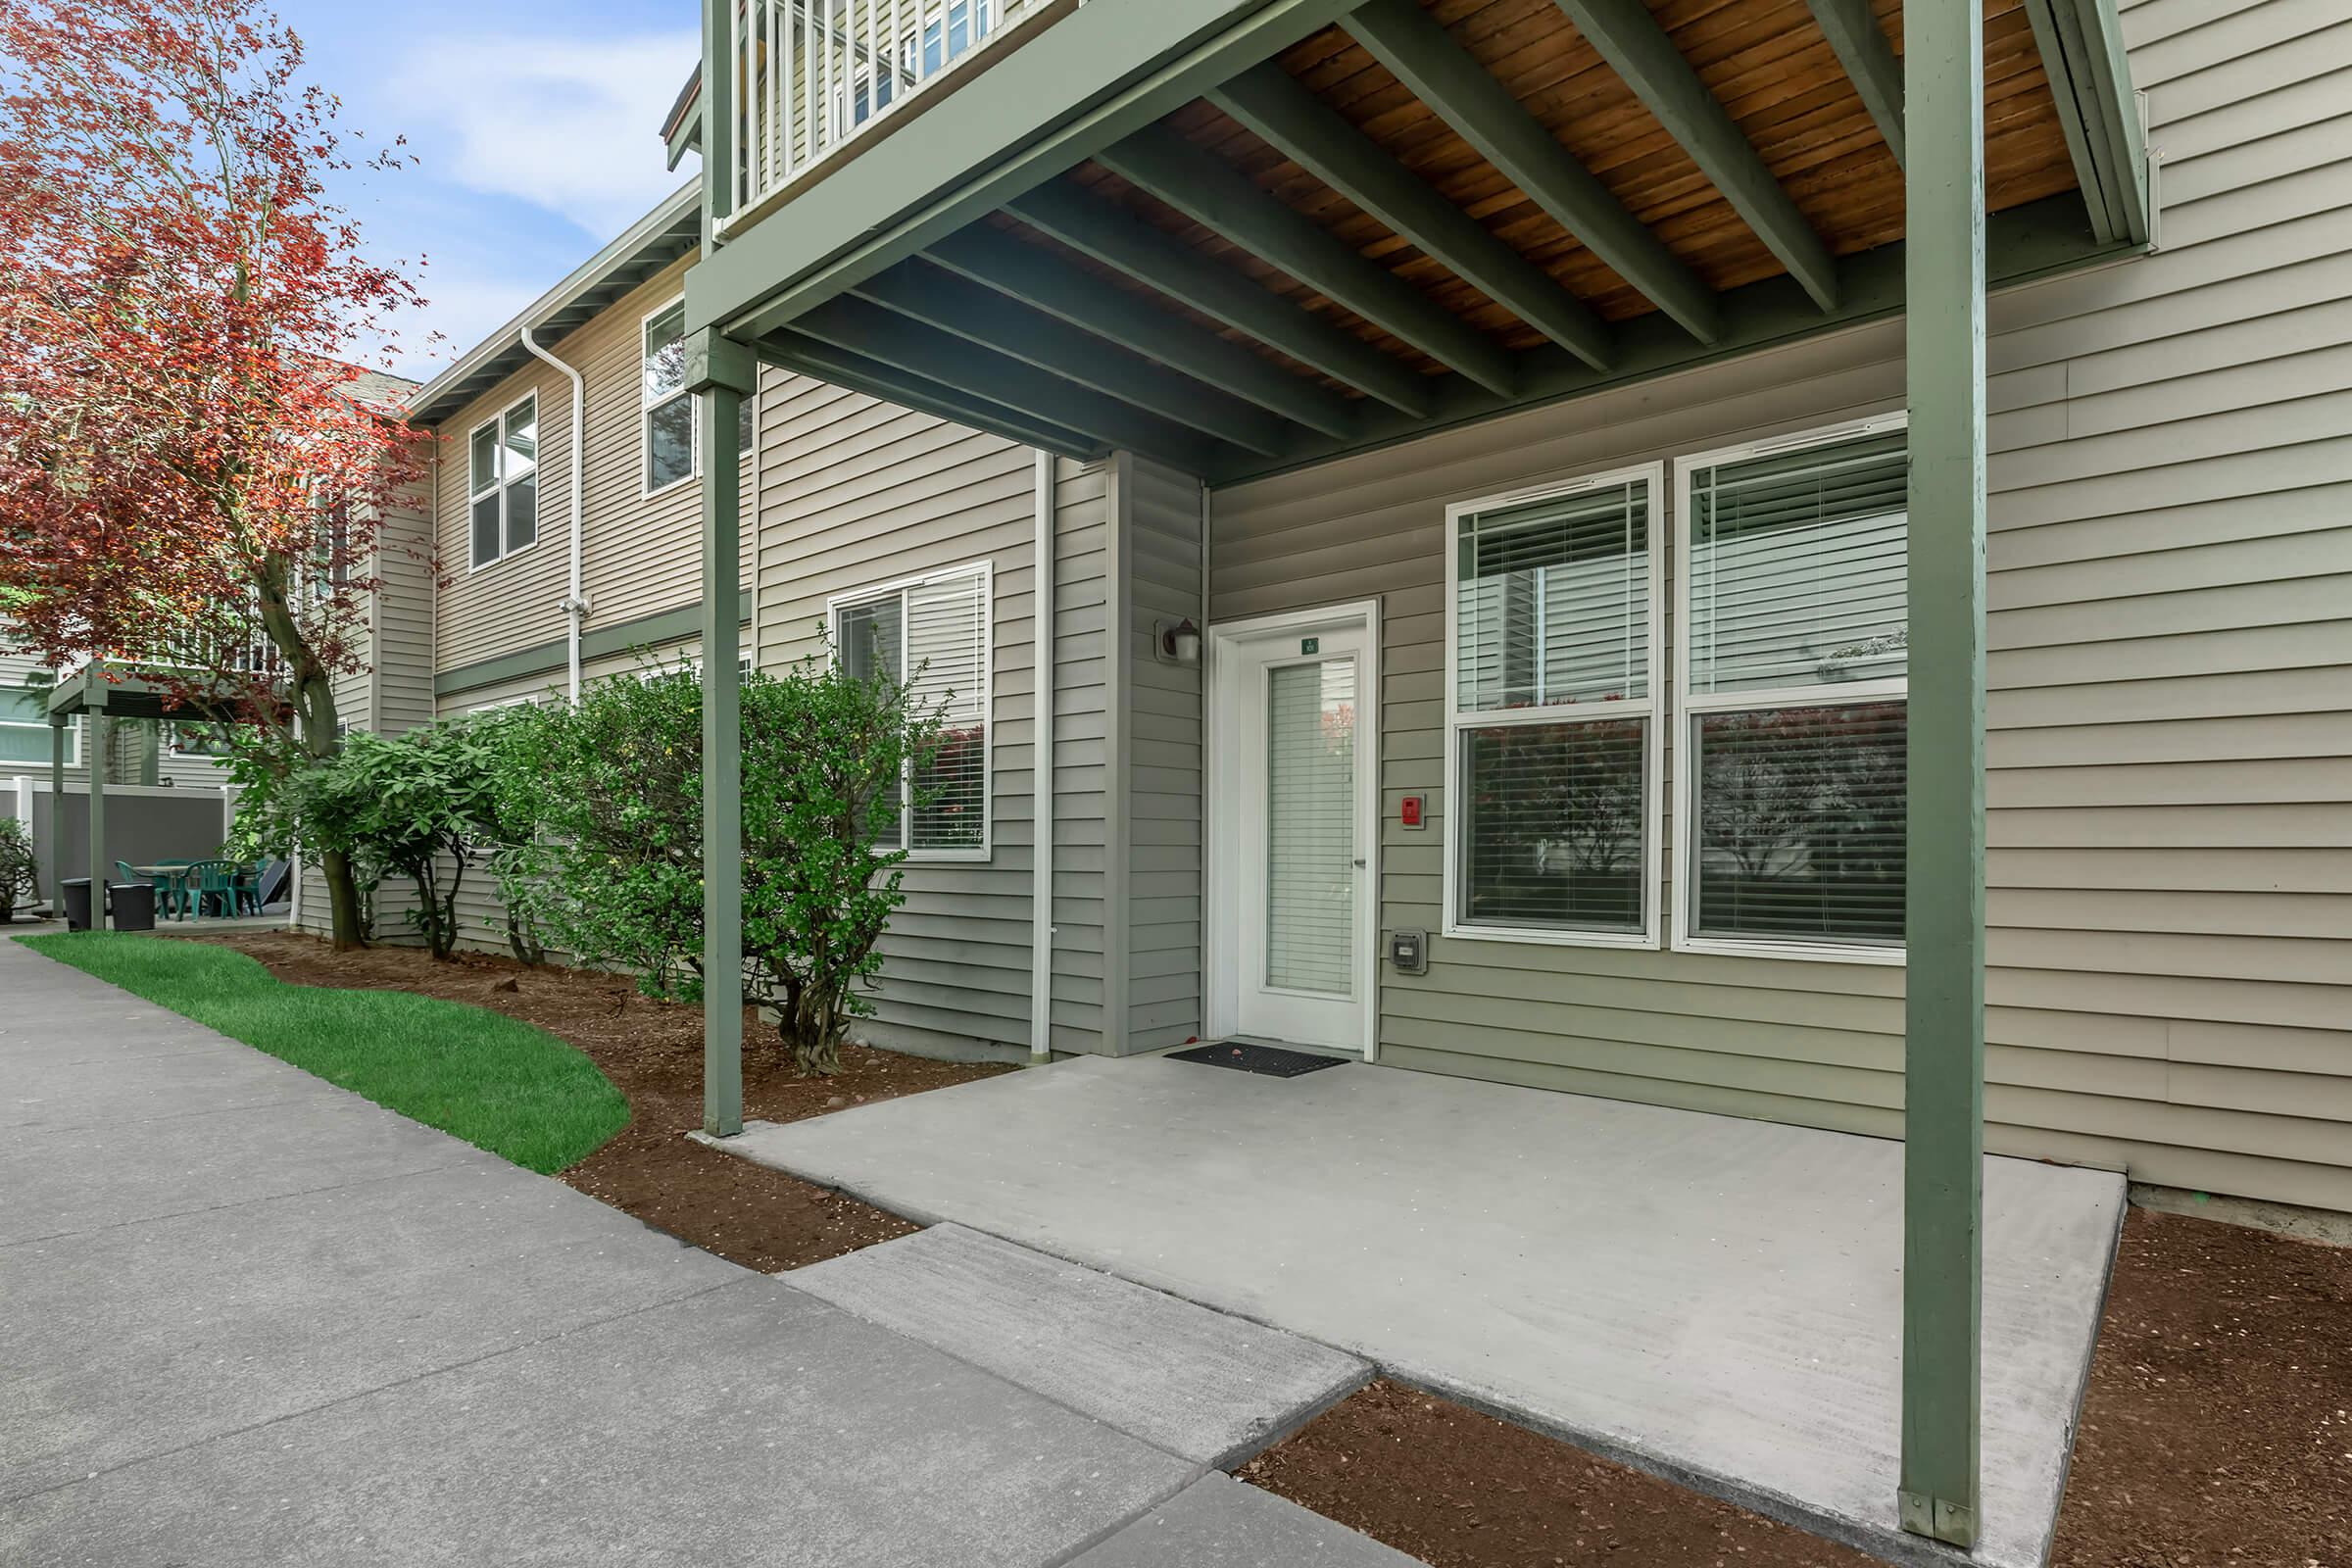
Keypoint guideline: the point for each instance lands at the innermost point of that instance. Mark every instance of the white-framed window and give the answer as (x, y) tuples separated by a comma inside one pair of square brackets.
[(502, 484), (1792, 668), (24, 723), (932, 634), (670, 436), (1553, 711)]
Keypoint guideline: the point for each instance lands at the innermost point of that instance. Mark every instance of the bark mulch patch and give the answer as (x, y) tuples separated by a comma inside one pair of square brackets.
[(653, 1050), (2216, 1432)]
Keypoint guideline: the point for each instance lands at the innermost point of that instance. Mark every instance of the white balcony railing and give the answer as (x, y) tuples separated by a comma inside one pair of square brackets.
[(813, 76)]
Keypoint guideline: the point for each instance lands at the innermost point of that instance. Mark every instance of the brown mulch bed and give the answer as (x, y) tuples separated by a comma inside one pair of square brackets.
[(653, 1050), (2216, 1432)]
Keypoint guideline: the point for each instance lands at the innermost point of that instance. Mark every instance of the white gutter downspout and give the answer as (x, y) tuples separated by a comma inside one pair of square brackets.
[(575, 603), (1041, 788)]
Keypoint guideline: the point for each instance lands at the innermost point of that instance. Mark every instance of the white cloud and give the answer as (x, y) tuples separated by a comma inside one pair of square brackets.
[(570, 126)]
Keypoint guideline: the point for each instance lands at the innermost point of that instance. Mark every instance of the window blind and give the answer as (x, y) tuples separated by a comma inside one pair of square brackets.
[(1310, 827), (946, 645), (1552, 601), (25, 724), (1554, 830), (1798, 564), (1801, 823)]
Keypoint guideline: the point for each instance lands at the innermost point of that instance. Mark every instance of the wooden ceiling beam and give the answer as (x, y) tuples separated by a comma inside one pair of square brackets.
[(1197, 184), (1134, 247), (1319, 139), (1420, 53), (1631, 40), (1869, 64), (925, 293), (1036, 277), (985, 375), (825, 362)]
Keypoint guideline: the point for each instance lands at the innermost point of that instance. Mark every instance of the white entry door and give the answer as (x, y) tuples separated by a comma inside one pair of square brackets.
[(1295, 838)]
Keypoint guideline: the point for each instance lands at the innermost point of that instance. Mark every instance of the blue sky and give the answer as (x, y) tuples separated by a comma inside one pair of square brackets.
[(537, 125)]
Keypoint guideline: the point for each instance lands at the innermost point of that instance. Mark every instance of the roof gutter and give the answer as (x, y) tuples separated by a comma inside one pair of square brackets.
[(574, 604)]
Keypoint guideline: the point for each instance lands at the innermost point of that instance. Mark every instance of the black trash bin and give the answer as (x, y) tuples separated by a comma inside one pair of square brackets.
[(133, 905), (77, 902)]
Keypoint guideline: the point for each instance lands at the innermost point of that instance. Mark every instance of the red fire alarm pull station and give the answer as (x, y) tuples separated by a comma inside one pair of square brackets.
[(1412, 811)]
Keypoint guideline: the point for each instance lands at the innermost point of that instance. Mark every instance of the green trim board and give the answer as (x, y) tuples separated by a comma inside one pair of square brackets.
[(1032, 275), (2029, 242), (1108, 69), (1421, 54), (1639, 49), (2081, 49), (1861, 47), (813, 357), (1317, 137), (1212, 192), (674, 624)]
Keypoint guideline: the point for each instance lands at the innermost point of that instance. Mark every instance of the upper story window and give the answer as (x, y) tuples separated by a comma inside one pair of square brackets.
[(1552, 713), (931, 634), (673, 445), (502, 482), (24, 723), (1796, 668)]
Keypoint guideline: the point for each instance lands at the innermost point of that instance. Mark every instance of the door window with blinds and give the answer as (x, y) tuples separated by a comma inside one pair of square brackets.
[(1552, 712), (932, 634), (1795, 662), (1311, 850)]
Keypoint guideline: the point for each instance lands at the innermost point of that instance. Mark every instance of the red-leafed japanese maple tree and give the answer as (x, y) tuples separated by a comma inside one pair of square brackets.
[(192, 467)]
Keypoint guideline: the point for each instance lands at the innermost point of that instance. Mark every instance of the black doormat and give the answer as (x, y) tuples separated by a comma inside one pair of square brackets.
[(1271, 1060)]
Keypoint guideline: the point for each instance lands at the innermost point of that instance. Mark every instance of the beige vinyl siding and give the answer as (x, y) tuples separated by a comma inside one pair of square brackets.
[(1086, 880), (857, 494), (1164, 743), (401, 619), (2169, 942), (640, 554)]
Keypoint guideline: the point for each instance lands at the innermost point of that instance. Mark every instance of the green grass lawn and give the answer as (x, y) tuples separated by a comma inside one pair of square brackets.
[(500, 1085)]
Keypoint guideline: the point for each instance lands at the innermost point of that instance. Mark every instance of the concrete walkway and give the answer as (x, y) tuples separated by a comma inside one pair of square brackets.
[(251, 1319), (1713, 1298)]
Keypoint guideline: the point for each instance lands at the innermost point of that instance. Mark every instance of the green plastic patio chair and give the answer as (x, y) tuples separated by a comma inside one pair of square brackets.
[(211, 882)]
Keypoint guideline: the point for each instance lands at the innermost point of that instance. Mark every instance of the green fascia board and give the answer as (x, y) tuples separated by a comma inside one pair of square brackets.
[(1102, 72), (955, 305), (2081, 48), (1629, 37), (862, 327), (1420, 53), (2024, 243), (1269, 101), (670, 626), (1212, 192), (813, 357), (1134, 247), (1861, 47), (1035, 276)]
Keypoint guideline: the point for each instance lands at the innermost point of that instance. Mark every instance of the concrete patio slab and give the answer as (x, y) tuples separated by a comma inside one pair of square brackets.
[(144, 1337), (750, 1422), (1218, 1521), (52, 1091), (1211, 1388), (1716, 1299)]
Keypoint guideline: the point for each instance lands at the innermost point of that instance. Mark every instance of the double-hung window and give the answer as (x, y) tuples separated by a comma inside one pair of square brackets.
[(672, 444), (24, 723), (502, 482), (1552, 714), (1794, 657), (931, 635)]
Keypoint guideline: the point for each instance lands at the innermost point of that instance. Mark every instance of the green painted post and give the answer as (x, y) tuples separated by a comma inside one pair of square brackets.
[(721, 373), (57, 816), (93, 755), (1943, 1103), (719, 120)]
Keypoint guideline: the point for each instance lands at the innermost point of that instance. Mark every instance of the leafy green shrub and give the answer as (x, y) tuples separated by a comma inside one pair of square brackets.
[(422, 803), (20, 878), (601, 812)]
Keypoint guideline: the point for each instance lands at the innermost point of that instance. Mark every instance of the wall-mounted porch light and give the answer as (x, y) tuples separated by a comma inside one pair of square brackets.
[(1180, 644)]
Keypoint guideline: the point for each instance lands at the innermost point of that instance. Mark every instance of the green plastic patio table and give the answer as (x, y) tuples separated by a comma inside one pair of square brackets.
[(167, 877)]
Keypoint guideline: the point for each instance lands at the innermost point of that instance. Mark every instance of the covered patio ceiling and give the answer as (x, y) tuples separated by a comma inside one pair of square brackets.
[(1424, 214)]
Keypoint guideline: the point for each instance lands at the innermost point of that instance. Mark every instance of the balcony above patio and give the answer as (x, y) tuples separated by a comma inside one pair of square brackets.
[(1242, 237)]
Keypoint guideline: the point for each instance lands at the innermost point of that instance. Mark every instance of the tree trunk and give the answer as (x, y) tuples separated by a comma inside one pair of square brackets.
[(342, 901)]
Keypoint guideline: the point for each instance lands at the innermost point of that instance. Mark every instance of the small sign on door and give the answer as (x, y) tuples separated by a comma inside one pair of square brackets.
[(1310, 645)]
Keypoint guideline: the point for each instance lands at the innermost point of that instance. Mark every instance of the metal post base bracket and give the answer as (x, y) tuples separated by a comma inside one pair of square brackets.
[(1952, 1523)]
